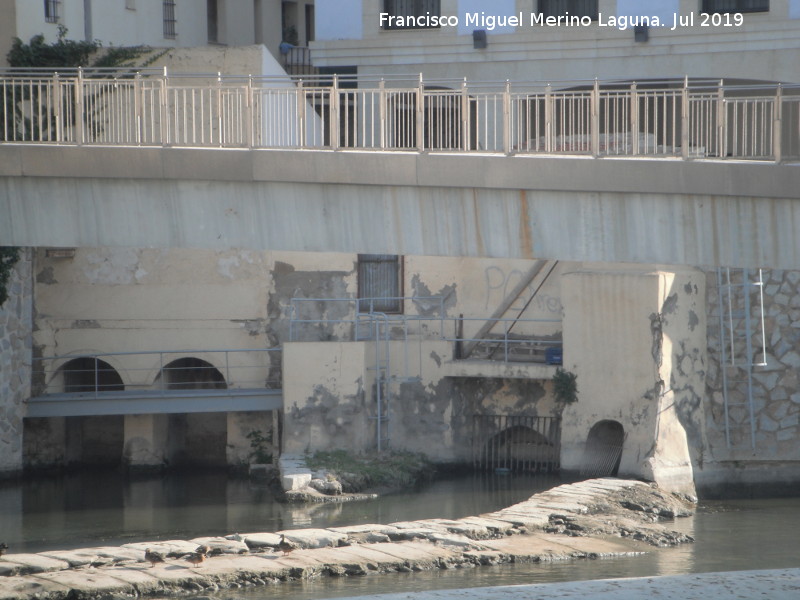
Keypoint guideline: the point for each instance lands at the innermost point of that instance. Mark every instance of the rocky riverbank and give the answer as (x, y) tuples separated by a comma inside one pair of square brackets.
[(590, 519)]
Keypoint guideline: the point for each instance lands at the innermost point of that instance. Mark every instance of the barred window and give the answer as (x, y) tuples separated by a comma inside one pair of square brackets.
[(51, 10), (169, 19), (379, 277), (572, 8), (734, 6), (411, 10)]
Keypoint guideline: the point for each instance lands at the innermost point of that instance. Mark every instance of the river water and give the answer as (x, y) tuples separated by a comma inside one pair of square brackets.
[(93, 509)]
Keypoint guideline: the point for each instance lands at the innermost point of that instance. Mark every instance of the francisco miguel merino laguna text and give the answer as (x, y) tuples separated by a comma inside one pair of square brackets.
[(490, 22)]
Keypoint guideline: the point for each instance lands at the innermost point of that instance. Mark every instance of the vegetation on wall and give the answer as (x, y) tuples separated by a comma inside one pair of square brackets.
[(8, 258), (62, 54), (565, 386), (260, 447)]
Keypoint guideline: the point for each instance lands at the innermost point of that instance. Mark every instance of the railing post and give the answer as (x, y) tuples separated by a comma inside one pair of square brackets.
[(507, 118), (248, 112), (220, 120), (334, 113), (59, 133), (548, 118), (382, 111), (685, 119), (465, 132), (137, 106), (594, 117), (777, 124), (420, 129), (721, 117), (634, 97), (164, 112), (79, 108), (301, 114)]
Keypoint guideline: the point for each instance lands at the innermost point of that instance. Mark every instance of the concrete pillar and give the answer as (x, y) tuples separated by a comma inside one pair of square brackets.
[(16, 330), (239, 447), (145, 440), (636, 338)]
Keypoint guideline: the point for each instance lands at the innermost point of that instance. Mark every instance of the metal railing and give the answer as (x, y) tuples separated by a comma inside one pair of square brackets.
[(157, 372), (685, 119), (355, 319)]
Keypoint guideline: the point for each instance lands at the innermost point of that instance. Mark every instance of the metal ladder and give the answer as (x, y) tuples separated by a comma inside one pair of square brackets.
[(378, 333), (737, 353)]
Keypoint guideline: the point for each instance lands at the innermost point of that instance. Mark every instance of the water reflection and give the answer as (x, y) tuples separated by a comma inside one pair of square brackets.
[(99, 508)]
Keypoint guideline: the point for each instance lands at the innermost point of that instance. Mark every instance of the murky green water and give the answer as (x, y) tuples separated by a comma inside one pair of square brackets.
[(88, 509)]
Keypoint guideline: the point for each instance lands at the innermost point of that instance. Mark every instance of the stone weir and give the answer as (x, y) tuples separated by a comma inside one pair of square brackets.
[(590, 519)]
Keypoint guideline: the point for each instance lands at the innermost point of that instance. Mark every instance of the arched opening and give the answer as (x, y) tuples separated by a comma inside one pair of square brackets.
[(191, 374), (520, 448), (603, 452), (89, 374), (195, 439)]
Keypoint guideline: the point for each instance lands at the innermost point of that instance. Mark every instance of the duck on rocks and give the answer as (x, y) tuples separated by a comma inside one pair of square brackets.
[(285, 545), (196, 558), (153, 557), (3, 548)]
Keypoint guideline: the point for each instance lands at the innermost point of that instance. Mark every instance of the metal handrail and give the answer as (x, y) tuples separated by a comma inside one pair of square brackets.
[(150, 371), (685, 119)]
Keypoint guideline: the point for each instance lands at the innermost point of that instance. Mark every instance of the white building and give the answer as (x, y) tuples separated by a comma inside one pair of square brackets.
[(159, 23)]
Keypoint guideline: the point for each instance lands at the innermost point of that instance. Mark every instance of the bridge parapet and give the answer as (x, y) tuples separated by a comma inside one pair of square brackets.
[(685, 119)]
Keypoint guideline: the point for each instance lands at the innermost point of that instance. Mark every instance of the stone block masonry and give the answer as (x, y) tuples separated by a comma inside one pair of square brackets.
[(590, 519), (15, 362)]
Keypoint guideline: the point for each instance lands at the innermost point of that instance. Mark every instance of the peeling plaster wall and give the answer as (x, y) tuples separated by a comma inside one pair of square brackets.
[(15, 363), (329, 399), (325, 398), (775, 458), (636, 340)]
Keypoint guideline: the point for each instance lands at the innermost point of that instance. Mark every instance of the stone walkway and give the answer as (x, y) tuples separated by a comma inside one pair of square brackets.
[(783, 584), (590, 519)]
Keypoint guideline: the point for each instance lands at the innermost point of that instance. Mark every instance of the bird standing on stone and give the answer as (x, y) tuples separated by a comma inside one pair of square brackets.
[(3, 548), (285, 545), (153, 557), (203, 550), (196, 558)]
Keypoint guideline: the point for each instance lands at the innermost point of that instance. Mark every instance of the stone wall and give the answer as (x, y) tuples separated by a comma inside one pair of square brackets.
[(15, 363), (774, 453)]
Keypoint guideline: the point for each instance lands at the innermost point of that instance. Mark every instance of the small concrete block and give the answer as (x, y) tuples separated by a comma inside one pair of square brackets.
[(23, 564), (257, 541), (314, 538), (221, 545), (295, 481), (173, 548)]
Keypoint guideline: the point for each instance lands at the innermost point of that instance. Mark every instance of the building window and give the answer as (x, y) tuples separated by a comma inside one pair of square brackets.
[(568, 8), (734, 6), (379, 283), (51, 10), (169, 19), (213, 21), (411, 14)]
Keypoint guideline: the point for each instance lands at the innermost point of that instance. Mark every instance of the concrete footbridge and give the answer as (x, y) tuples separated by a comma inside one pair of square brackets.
[(674, 172)]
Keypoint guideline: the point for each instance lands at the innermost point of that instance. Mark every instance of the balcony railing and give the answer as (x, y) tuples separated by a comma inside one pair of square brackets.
[(684, 119), (511, 340)]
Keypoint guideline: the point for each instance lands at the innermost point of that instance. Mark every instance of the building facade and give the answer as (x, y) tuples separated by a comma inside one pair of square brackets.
[(685, 373)]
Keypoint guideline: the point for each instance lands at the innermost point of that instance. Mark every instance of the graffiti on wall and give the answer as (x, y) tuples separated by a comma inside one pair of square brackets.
[(500, 282)]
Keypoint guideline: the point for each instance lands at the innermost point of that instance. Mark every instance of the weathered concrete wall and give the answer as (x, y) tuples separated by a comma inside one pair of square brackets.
[(325, 398), (16, 323), (330, 398), (636, 340), (774, 459)]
